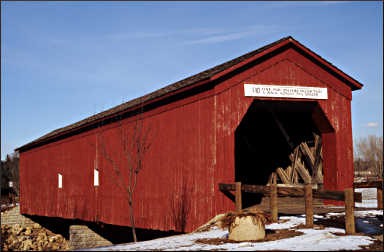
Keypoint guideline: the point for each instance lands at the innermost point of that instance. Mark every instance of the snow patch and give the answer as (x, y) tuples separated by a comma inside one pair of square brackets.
[(312, 239)]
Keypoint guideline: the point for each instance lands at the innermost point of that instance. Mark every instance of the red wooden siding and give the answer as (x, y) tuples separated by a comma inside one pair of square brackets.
[(193, 144)]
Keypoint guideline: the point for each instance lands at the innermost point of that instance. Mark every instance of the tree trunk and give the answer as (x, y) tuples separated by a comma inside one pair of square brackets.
[(132, 222)]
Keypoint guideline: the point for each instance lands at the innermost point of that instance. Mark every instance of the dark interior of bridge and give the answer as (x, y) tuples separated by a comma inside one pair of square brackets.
[(265, 138)]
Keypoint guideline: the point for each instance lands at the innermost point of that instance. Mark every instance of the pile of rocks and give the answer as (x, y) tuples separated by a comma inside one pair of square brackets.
[(32, 237)]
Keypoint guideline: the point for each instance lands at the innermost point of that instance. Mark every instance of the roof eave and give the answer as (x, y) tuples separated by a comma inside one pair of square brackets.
[(174, 92), (354, 84)]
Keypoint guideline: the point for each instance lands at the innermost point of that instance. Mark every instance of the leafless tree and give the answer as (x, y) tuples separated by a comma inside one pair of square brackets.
[(135, 142), (10, 172), (369, 154), (181, 206)]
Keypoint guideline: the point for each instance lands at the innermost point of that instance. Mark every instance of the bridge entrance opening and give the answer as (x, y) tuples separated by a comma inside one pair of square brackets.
[(278, 140)]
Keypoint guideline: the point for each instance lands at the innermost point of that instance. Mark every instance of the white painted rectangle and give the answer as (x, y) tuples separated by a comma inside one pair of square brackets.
[(95, 177), (60, 183), (257, 90)]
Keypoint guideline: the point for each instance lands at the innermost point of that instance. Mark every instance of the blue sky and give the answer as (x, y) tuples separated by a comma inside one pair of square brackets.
[(64, 61)]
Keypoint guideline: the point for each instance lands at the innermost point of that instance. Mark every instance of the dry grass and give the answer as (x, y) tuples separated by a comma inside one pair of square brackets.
[(257, 215)]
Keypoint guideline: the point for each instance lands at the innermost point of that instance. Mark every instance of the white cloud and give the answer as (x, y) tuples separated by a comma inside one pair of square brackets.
[(232, 35), (198, 35), (221, 38), (162, 34), (372, 124)]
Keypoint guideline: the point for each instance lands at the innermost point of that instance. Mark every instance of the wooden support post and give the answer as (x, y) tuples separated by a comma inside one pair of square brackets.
[(379, 197), (238, 197), (308, 206), (349, 215), (273, 201)]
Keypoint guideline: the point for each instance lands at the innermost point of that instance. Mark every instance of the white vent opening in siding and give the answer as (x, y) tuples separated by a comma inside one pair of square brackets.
[(95, 177), (60, 185)]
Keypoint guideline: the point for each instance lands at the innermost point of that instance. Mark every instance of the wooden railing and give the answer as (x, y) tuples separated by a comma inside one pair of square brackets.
[(290, 191), (273, 191)]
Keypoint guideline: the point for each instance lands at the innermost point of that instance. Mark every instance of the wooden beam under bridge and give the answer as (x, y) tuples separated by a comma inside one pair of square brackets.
[(290, 191)]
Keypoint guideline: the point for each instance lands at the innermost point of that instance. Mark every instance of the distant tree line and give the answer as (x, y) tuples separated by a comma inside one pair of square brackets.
[(10, 173), (368, 155)]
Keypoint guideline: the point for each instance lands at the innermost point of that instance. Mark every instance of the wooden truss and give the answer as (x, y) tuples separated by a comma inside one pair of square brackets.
[(306, 162)]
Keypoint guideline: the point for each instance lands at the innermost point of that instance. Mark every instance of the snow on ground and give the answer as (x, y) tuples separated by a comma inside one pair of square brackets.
[(311, 240)]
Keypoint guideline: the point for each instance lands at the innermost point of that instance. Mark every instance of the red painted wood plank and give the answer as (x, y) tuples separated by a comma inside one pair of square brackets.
[(194, 140)]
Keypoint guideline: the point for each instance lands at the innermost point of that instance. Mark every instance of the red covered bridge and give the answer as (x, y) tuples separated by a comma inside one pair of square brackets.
[(207, 129)]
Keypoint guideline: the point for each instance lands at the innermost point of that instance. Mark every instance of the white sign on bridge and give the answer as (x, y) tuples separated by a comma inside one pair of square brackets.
[(285, 91)]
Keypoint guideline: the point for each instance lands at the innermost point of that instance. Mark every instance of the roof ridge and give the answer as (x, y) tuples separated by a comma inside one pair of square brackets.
[(157, 93), (188, 81)]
